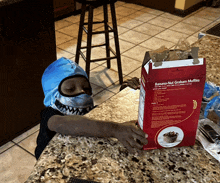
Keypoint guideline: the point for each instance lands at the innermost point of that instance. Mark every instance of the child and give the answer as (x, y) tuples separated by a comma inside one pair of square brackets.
[(67, 98)]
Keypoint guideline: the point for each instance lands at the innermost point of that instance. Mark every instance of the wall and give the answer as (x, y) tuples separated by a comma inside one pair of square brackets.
[(185, 4)]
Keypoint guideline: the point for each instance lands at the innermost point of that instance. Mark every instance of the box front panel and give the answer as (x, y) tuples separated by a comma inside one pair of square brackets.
[(171, 105)]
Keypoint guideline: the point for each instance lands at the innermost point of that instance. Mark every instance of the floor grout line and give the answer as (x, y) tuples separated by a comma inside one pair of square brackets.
[(24, 149)]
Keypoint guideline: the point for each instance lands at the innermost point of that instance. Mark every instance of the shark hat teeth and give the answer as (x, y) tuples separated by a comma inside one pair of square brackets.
[(68, 110)]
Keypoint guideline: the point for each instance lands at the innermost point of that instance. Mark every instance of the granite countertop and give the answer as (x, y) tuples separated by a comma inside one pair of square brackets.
[(107, 161)]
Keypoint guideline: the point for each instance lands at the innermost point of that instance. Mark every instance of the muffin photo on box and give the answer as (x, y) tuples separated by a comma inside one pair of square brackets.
[(170, 137)]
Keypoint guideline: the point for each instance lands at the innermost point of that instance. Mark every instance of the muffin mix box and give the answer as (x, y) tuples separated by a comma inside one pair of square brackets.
[(170, 101)]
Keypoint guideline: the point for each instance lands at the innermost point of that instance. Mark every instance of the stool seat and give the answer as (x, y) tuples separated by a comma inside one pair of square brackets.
[(91, 5)]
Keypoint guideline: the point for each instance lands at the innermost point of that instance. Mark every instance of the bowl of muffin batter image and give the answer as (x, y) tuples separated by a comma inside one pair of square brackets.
[(170, 136)]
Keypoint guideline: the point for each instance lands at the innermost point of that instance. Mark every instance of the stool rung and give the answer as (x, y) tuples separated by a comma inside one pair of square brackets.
[(98, 22), (100, 32), (93, 46), (83, 56), (110, 27), (86, 31), (97, 32), (101, 59), (112, 50), (96, 60)]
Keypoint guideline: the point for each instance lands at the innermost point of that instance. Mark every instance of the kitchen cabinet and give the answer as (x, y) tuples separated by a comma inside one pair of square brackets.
[(64, 8), (27, 47)]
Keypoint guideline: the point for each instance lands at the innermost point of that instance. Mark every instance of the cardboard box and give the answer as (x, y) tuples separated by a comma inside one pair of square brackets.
[(170, 101)]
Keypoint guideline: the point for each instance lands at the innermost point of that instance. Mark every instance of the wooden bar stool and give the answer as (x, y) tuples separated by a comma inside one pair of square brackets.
[(91, 5)]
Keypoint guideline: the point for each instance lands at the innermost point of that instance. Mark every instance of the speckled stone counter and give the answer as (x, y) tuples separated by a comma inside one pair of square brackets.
[(107, 161)]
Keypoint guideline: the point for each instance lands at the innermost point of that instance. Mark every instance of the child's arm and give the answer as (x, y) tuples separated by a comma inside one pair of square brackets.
[(77, 125)]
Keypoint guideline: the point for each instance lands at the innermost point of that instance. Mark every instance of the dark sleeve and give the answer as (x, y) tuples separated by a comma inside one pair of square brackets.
[(45, 134), (46, 114)]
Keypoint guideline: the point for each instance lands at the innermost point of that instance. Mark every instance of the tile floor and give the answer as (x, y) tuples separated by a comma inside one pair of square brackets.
[(140, 29)]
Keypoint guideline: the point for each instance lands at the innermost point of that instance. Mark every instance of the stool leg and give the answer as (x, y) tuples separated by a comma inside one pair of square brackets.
[(114, 22), (80, 33), (105, 10), (89, 39)]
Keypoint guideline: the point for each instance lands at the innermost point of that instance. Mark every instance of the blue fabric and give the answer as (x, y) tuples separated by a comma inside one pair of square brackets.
[(54, 74), (209, 90), (213, 104)]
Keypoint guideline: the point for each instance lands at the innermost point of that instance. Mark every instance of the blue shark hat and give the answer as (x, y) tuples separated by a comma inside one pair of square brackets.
[(54, 74)]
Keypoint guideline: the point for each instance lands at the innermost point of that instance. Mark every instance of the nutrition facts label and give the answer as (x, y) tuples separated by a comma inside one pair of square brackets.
[(141, 107)]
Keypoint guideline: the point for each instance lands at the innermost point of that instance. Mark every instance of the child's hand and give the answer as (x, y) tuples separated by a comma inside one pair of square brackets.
[(128, 134), (132, 83)]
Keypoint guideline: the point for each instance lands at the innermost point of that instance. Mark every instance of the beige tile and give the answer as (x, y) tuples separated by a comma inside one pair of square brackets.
[(96, 89), (200, 22), (207, 14), (30, 143), (73, 18), (121, 30), (145, 17), (6, 146), (162, 22), (137, 53), (119, 3), (129, 23), (124, 45), (16, 165), (185, 28), (123, 11), (196, 35), (136, 73), (193, 13), (116, 86), (102, 97), (204, 29), (95, 26), (149, 29), (62, 38), (26, 134), (100, 16), (134, 37), (71, 30), (136, 14), (155, 43), (61, 24), (82, 63), (128, 65), (104, 77), (70, 46), (152, 11), (173, 17), (96, 39), (62, 53), (133, 6), (192, 39), (211, 9), (98, 52), (98, 10), (171, 36)]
